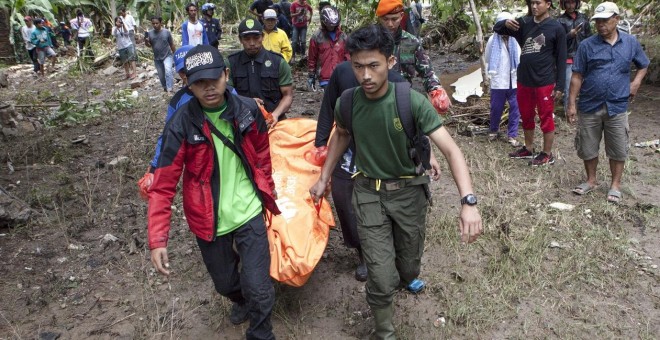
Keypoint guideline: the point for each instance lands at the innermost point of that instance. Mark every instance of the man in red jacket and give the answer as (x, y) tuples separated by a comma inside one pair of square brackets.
[(327, 48), (219, 142)]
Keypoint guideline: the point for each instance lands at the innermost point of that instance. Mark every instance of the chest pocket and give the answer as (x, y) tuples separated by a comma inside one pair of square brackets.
[(270, 82), (241, 81), (198, 152)]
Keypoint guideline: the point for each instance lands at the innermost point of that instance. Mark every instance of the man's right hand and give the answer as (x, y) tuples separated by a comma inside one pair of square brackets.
[(318, 190), (160, 261), (512, 25)]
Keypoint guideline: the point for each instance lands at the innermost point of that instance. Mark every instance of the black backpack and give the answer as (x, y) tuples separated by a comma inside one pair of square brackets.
[(419, 149)]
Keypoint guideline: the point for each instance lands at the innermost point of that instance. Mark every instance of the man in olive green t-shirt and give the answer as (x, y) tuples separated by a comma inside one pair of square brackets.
[(388, 197)]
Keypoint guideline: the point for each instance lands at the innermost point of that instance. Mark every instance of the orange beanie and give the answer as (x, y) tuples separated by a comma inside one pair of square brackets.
[(386, 7)]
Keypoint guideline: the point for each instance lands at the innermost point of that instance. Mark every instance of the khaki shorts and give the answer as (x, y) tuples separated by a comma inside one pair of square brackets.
[(593, 126), (42, 53)]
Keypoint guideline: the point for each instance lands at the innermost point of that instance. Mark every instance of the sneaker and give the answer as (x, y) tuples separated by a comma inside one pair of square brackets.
[(239, 313), (361, 272), (521, 153), (542, 159), (514, 142), (493, 136), (416, 286)]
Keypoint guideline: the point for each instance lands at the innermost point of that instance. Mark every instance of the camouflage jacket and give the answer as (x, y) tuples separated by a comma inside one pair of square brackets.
[(411, 58)]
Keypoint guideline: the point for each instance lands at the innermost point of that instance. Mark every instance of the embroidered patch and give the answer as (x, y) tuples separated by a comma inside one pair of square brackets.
[(268, 63), (249, 23), (397, 124), (199, 59)]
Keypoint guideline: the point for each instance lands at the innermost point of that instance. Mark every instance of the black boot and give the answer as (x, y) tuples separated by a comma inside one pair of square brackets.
[(361, 270)]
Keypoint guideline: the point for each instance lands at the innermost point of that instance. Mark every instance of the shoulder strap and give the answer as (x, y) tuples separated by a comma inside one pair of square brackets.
[(346, 109), (222, 137), (402, 96), (535, 28)]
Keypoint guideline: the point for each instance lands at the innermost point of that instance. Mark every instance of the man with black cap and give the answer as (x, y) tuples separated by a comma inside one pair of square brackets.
[(261, 74), (219, 141)]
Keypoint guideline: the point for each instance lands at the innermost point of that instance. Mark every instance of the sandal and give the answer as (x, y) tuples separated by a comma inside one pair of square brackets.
[(514, 142), (584, 188), (614, 196)]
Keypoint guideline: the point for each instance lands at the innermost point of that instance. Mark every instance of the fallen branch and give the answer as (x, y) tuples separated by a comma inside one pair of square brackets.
[(38, 105)]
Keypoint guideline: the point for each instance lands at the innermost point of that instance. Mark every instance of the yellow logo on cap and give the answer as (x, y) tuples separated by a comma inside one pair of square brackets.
[(249, 23)]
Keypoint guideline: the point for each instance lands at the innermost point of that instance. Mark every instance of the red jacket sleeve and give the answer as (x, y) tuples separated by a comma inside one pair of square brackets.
[(163, 188), (312, 54)]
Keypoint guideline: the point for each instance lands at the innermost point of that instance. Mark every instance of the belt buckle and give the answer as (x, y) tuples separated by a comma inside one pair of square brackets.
[(392, 186)]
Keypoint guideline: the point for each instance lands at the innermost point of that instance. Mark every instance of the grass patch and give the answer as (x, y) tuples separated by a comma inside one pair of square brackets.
[(534, 264)]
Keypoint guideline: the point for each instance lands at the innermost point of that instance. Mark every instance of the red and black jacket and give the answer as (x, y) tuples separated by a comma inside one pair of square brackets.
[(325, 53), (188, 148)]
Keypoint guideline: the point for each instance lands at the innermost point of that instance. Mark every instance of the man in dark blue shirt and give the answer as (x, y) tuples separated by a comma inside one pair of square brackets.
[(601, 75)]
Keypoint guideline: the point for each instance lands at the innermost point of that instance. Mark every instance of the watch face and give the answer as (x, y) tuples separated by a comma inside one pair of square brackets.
[(469, 199)]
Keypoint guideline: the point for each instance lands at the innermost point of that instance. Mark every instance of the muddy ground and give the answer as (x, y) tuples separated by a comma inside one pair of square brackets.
[(59, 276)]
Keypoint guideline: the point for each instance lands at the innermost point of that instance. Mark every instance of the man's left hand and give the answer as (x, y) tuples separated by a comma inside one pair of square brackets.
[(440, 100), (469, 223), (435, 168), (557, 95)]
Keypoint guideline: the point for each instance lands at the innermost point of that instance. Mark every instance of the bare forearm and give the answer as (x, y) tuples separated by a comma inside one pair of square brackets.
[(459, 169), (576, 84), (283, 106), (336, 147), (640, 75)]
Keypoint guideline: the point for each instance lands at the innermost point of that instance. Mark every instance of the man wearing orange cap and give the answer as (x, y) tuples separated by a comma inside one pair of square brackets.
[(410, 55)]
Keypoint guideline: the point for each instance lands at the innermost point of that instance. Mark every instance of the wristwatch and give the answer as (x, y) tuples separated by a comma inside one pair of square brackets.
[(469, 199)]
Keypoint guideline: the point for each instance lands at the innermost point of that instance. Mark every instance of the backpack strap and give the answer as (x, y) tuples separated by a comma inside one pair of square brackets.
[(346, 109), (402, 96)]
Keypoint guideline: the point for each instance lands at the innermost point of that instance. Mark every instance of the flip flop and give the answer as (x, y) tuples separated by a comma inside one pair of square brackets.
[(614, 196), (584, 189)]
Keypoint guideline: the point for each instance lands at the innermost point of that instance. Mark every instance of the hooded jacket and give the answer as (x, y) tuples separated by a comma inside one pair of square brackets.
[(188, 148)]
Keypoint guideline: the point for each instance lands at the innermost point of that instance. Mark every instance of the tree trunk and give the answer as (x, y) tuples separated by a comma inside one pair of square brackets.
[(7, 54), (480, 41)]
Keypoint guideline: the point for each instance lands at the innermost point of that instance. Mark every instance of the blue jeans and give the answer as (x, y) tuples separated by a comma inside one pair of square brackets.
[(497, 100), (567, 87), (299, 40), (165, 72), (252, 284)]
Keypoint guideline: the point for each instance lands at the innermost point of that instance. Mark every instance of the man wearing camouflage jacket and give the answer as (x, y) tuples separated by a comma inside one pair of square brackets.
[(410, 55)]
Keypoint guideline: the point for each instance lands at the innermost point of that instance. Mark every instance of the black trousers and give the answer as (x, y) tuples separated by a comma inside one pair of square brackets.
[(342, 192), (247, 245)]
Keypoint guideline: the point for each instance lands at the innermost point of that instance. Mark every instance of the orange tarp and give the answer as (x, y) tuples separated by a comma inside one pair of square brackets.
[(299, 235)]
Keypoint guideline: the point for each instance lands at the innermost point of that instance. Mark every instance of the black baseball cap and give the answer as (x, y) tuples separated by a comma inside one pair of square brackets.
[(250, 26), (203, 62)]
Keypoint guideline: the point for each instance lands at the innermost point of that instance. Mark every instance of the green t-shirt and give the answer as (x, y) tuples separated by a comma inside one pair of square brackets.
[(381, 144), (285, 74), (238, 203)]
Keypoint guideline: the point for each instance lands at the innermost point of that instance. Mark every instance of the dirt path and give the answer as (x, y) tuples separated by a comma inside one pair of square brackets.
[(538, 273)]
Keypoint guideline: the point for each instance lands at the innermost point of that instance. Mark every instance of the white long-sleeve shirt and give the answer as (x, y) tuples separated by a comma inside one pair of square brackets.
[(26, 33), (505, 78)]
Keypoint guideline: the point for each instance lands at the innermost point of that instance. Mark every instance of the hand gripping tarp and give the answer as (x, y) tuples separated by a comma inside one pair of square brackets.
[(299, 235)]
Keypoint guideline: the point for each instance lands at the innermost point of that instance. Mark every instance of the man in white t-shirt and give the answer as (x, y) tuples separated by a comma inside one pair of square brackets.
[(129, 22), (192, 30), (26, 32)]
